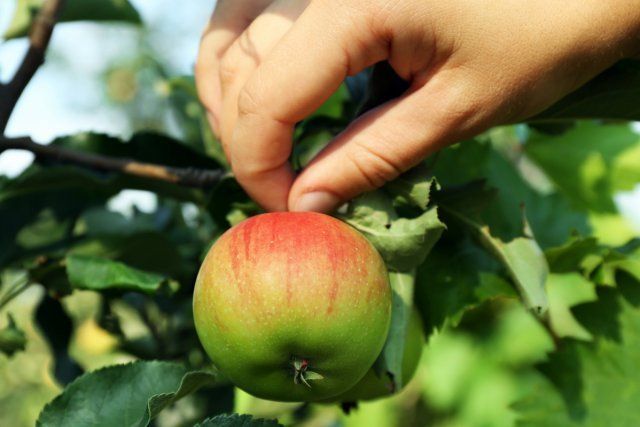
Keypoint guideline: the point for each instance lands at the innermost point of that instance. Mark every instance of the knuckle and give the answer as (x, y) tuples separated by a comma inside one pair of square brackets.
[(228, 70), (247, 103), (375, 167)]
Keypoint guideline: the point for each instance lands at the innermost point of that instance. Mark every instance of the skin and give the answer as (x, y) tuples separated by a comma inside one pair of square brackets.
[(265, 65), (285, 286), (373, 386)]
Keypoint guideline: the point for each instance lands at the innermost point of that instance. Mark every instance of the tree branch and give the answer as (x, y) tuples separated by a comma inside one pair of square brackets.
[(190, 177), (39, 37)]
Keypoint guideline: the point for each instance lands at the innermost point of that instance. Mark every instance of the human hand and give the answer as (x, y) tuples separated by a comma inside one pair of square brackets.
[(265, 65)]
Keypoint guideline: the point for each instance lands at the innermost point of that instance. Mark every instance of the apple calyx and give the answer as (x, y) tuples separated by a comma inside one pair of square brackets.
[(302, 374)]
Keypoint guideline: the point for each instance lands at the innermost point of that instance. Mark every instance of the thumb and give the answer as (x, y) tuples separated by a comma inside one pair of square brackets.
[(387, 141)]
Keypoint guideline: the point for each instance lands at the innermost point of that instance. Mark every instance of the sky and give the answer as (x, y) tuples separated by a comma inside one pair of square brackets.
[(67, 94)]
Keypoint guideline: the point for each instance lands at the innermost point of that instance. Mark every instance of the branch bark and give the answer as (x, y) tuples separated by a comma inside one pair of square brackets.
[(39, 38), (190, 177)]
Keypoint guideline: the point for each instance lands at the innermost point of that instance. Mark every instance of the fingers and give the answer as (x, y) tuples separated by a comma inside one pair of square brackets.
[(228, 21), (386, 142), (248, 51), (301, 72)]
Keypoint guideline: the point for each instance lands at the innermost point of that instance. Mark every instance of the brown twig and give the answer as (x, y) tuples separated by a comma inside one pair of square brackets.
[(192, 177), (39, 37)]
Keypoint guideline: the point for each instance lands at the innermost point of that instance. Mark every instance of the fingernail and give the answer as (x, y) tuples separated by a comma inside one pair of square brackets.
[(316, 201)]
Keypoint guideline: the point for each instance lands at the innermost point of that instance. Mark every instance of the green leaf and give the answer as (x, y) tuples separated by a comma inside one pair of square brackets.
[(611, 95), (508, 343), (473, 380), (101, 221), (235, 420), (334, 106), (457, 277), (413, 188), (590, 163), (566, 291), (146, 251), (569, 256), (612, 229), (389, 362), (614, 265), (24, 13), (470, 163), (99, 274), (74, 10), (403, 242), (592, 383), (122, 395), (100, 10), (12, 338), (47, 200), (62, 192), (191, 382), (522, 258)]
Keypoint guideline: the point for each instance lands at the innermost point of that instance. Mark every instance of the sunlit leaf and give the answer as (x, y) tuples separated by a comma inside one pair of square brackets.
[(522, 257), (130, 394), (566, 291), (474, 380), (99, 274), (403, 242), (592, 383), (590, 163)]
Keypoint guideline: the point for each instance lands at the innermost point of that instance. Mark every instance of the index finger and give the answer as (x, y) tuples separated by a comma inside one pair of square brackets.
[(302, 71)]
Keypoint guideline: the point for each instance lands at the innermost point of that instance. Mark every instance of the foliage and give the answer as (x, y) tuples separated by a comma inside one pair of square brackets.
[(130, 394), (510, 245), (75, 10), (235, 420)]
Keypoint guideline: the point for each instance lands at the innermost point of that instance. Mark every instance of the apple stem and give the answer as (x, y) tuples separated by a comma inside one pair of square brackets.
[(302, 374)]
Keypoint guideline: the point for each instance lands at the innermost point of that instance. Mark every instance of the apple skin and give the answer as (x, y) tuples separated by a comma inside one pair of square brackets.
[(373, 386), (280, 287)]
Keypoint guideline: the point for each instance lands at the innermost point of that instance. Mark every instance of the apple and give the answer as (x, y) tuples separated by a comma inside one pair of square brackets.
[(374, 386), (292, 306)]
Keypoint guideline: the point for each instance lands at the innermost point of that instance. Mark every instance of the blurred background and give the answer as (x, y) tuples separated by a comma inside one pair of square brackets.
[(106, 77), (100, 77)]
